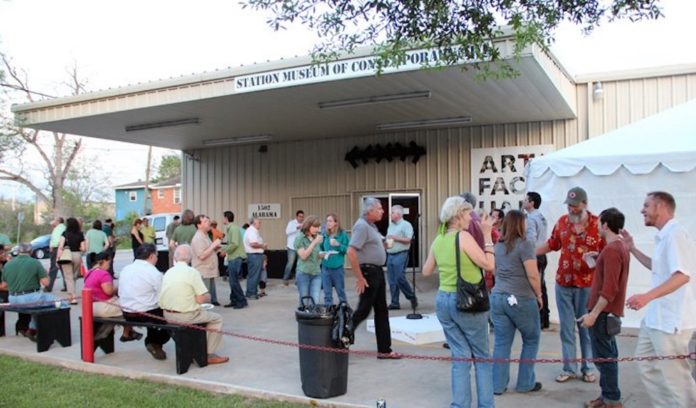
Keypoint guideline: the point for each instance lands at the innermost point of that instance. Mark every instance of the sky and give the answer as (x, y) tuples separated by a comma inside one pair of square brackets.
[(117, 43)]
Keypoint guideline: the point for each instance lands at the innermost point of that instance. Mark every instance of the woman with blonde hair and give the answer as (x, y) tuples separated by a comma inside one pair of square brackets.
[(334, 246), (466, 333), (515, 303), (307, 245)]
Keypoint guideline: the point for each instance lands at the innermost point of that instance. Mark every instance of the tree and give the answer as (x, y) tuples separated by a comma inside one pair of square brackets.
[(169, 166), (463, 30), (57, 151)]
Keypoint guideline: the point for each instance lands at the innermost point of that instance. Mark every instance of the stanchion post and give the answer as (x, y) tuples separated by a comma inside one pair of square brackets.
[(87, 327)]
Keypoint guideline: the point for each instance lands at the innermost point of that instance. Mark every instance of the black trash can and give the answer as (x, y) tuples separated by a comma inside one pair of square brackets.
[(324, 374)]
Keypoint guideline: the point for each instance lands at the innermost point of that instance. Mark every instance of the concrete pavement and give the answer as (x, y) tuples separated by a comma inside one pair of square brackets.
[(261, 369)]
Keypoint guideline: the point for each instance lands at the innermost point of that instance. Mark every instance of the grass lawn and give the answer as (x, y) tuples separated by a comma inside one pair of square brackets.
[(27, 384)]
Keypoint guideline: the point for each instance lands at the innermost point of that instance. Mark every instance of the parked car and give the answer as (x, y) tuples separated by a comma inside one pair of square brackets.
[(39, 247)]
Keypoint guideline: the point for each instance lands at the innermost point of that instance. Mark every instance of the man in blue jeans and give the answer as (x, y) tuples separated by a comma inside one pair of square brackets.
[(607, 297), (254, 247), (235, 257), (399, 235), (575, 234), (291, 231), (23, 278)]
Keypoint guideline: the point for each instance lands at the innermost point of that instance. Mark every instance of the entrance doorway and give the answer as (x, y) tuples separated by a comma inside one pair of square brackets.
[(411, 204)]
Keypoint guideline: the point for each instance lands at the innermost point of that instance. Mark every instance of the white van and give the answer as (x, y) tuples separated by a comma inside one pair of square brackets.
[(160, 222)]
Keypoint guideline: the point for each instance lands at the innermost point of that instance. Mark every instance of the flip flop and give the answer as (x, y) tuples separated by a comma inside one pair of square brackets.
[(564, 377), (589, 378)]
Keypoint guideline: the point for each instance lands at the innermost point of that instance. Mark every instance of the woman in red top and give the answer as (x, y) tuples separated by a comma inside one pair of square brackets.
[(104, 296)]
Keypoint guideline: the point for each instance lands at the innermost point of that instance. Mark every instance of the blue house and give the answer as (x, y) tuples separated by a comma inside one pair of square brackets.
[(130, 198)]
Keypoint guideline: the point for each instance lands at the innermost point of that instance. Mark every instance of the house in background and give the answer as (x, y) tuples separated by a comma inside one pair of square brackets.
[(131, 198), (166, 196)]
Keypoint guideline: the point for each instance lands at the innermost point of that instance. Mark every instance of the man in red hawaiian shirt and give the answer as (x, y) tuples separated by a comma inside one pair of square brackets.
[(575, 234)]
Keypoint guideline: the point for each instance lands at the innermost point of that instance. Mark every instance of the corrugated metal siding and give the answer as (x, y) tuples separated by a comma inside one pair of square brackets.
[(312, 175)]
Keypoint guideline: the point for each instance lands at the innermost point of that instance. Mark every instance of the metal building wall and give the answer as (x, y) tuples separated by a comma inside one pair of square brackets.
[(313, 176)]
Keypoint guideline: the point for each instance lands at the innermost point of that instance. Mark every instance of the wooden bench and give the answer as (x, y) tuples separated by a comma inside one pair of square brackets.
[(51, 324), (191, 343)]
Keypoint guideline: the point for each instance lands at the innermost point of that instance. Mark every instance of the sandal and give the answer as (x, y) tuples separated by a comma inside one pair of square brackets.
[(589, 378), (389, 356), (134, 336), (564, 377)]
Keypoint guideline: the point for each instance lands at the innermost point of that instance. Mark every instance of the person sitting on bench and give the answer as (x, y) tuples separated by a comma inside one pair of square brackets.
[(182, 294), (106, 304), (23, 278), (139, 287)]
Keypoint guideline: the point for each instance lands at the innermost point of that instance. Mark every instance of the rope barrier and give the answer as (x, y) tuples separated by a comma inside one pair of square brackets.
[(690, 356)]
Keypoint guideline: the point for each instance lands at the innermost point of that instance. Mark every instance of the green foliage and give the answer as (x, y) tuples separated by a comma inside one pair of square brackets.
[(28, 231), (461, 30), (122, 231), (36, 385), (170, 166)]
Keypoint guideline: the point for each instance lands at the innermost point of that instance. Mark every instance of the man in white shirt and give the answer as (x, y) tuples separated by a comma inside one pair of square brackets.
[(254, 247), (670, 320), (291, 231), (139, 285)]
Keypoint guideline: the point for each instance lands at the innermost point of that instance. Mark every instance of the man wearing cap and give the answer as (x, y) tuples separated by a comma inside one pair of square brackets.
[(575, 234), (399, 235), (23, 277)]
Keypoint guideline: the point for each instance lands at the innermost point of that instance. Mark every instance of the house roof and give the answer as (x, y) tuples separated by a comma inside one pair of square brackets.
[(168, 183), (131, 186)]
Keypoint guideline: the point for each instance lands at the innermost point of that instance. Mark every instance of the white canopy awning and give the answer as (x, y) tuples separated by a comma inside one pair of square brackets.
[(667, 139)]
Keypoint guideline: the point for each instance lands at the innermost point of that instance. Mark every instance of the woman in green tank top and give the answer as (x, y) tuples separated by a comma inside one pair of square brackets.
[(466, 333)]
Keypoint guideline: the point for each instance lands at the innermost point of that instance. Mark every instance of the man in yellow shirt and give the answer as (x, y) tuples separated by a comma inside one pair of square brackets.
[(148, 231), (181, 296)]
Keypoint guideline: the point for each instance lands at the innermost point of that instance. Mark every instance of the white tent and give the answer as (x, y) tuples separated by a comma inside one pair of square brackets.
[(617, 169)]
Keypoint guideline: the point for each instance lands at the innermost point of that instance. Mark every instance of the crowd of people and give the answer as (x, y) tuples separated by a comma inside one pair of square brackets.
[(591, 283), (506, 250)]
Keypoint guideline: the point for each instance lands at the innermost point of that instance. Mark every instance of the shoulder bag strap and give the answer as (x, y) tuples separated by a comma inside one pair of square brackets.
[(456, 252)]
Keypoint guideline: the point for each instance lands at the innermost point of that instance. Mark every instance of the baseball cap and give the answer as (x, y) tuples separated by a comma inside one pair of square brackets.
[(575, 196)]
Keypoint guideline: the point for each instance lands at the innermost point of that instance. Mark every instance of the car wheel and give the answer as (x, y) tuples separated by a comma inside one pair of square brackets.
[(39, 254)]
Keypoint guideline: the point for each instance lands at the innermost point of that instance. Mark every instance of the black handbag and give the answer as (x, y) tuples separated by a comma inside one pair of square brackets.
[(471, 297)]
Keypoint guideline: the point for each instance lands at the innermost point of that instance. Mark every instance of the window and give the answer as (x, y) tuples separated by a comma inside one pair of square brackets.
[(159, 223), (160, 193), (177, 196), (132, 196)]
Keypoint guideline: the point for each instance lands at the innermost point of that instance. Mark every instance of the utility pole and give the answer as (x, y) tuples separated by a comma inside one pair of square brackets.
[(147, 179)]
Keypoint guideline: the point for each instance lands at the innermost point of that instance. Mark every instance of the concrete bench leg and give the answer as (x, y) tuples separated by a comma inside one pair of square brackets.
[(191, 345)]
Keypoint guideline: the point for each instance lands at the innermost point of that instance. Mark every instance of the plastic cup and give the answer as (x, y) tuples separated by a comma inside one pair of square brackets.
[(58, 304)]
